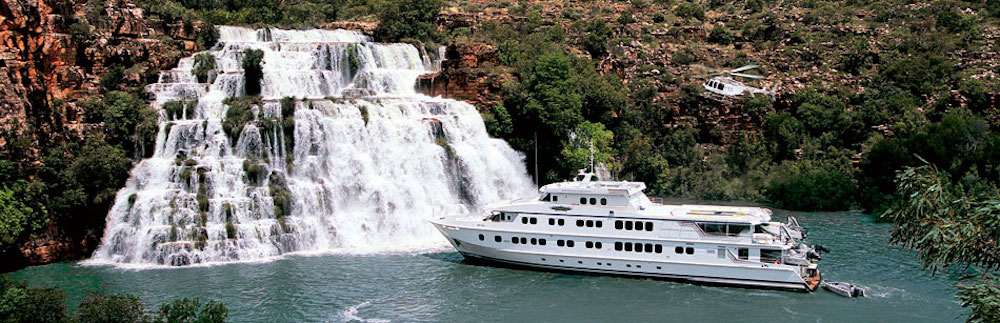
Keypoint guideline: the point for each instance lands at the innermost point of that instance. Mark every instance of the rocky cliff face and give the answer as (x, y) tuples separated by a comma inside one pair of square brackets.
[(53, 53)]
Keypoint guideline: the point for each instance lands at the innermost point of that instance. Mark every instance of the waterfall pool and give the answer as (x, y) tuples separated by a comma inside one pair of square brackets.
[(436, 285)]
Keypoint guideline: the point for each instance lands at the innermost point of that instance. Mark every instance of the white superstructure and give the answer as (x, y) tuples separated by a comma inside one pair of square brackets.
[(612, 227)]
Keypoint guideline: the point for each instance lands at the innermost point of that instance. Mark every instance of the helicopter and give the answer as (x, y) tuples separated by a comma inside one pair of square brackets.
[(723, 85)]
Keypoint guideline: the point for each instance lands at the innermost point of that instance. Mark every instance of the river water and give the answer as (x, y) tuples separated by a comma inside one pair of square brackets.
[(436, 285)]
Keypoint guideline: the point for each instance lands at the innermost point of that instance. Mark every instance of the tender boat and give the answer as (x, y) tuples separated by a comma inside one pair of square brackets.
[(844, 289), (612, 227)]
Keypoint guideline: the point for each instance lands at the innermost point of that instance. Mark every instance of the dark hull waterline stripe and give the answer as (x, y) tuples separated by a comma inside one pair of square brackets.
[(706, 280)]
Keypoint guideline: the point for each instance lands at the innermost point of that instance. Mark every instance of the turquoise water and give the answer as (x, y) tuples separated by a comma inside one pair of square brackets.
[(439, 286)]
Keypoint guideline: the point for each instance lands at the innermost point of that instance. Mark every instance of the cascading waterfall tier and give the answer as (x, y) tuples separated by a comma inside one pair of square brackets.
[(338, 152)]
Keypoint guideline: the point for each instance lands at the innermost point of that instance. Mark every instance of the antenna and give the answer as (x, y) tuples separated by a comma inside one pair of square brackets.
[(536, 159), (592, 170)]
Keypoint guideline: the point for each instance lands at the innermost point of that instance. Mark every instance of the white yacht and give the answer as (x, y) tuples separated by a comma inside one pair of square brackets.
[(610, 227)]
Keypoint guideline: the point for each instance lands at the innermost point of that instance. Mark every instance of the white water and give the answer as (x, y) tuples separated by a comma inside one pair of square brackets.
[(353, 185)]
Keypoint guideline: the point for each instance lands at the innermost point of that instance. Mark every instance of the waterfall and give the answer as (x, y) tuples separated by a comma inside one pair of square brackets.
[(356, 161)]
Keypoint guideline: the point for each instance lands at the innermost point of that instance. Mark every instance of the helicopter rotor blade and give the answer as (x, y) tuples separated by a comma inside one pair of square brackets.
[(751, 76), (744, 68), (710, 74)]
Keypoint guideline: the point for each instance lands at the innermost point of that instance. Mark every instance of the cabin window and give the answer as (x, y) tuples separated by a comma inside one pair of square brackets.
[(593, 201), (604, 201), (618, 245), (737, 229), (552, 221), (482, 237), (744, 253), (524, 240), (628, 246), (561, 222), (659, 248), (649, 226), (721, 229), (534, 241), (618, 224), (590, 223), (546, 198), (579, 223), (589, 244), (583, 200), (514, 240), (770, 255), (560, 243), (638, 247), (533, 220), (638, 225), (569, 243), (597, 245), (541, 241), (497, 238), (599, 223), (628, 225), (722, 252), (688, 250), (524, 220), (649, 247), (555, 198), (679, 249)]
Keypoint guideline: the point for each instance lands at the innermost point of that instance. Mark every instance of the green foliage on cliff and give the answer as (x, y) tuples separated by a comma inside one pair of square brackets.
[(252, 71), (408, 19), (21, 212), (952, 225), (203, 64)]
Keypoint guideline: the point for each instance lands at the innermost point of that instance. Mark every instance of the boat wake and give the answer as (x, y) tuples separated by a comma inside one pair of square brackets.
[(351, 314)]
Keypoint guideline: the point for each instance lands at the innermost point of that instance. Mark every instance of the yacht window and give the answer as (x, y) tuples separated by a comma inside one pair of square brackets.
[(649, 247), (638, 247), (555, 198), (599, 223), (541, 241), (628, 225), (744, 253), (679, 249), (497, 238), (618, 245), (533, 220), (590, 223), (561, 222), (482, 237), (597, 245), (589, 244), (770, 255), (534, 241), (638, 225), (722, 252), (593, 201), (583, 200), (604, 201), (546, 198), (628, 246), (713, 228), (524, 240), (649, 226), (569, 243), (524, 220), (737, 229), (659, 248), (689, 250), (579, 223), (560, 243), (496, 216), (514, 240), (552, 221), (618, 224)]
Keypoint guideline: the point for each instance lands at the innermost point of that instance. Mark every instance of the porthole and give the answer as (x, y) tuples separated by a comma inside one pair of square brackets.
[(689, 250), (618, 224), (524, 240), (524, 220), (579, 223), (638, 225), (658, 248), (638, 247), (569, 243), (561, 222), (497, 238), (589, 244), (560, 243), (552, 221), (541, 241), (583, 200), (593, 201), (604, 201), (597, 245), (534, 241), (515, 240), (590, 223), (482, 238), (599, 223), (628, 246), (618, 246), (533, 220), (679, 249), (628, 225), (649, 226), (649, 247)]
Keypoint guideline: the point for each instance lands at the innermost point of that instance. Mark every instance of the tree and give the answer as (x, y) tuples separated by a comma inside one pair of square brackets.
[(19, 303), (252, 70), (97, 307), (950, 226), (413, 19), (203, 64), (21, 213), (190, 310), (720, 35), (130, 123), (586, 139)]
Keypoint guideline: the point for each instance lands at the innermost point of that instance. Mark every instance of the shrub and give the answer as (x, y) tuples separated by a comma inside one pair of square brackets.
[(230, 230), (191, 310), (97, 307), (801, 186), (203, 64), (720, 35), (207, 36), (253, 73), (19, 303), (112, 78), (408, 19), (689, 10), (237, 116), (21, 213), (596, 41)]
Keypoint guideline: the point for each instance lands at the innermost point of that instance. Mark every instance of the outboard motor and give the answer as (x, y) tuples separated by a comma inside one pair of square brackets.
[(821, 248)]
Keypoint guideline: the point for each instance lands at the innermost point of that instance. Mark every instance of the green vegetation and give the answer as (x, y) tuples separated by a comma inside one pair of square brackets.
[(238, 115), (20, 213), (203, 64), (408, 19), (20, 303), (952, 225), (252, 71)]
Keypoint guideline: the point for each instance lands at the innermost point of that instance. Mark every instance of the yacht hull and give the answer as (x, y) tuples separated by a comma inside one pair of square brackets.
[(466, 241)]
